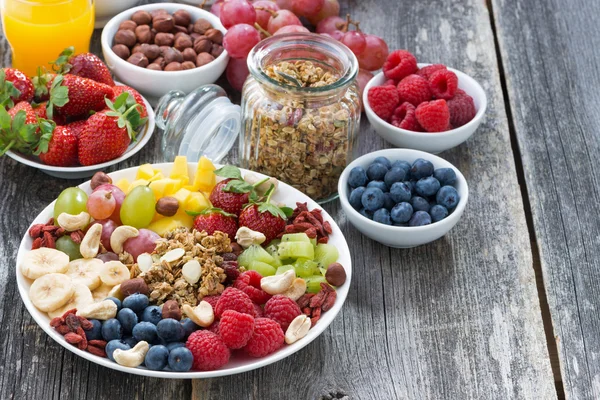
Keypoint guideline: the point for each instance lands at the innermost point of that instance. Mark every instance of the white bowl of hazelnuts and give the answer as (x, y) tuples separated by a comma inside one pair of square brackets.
[(160, 47)]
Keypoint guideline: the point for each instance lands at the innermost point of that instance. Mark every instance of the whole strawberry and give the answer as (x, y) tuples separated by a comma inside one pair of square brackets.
[(264, 217), (73, 95), (30, 115), (19, 129), (215, 219), (86, 65), (117, 90), (41, 111), (232, 193), (62, 149), (15, 86)]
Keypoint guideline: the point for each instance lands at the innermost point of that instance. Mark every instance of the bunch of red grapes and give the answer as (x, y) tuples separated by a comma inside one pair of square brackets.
[(248, 22)]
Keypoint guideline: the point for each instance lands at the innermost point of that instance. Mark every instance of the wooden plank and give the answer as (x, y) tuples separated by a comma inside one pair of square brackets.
[(549, 53)]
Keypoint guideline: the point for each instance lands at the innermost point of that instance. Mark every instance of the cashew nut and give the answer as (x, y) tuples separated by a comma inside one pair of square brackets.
[(246, 237), (191, 271), (133, 357), (297, 329), (277, 284), (201, 315), (71, 223), (144, 262), (263, 187), (172, 255), (91, 242), (102, 310), (297, 289), (120, 236)]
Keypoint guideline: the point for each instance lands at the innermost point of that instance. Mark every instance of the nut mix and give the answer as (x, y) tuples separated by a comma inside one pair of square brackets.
[(162, 42)]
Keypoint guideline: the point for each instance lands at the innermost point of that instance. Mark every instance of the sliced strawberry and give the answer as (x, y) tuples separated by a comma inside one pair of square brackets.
[(86, 65)]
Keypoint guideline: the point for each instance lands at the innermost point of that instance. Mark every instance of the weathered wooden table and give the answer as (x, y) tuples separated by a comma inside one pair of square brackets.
[(465, 317)]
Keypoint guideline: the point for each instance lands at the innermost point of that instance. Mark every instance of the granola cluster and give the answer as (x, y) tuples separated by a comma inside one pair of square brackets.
[(301, 73)]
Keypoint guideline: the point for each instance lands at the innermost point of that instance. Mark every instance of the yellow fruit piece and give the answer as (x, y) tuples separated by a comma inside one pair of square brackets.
[(196, 202), (159, 187), (145, 171), (173, 186), (167, 224), (180, 170), (191, 188), (157, 176), (139, 182), (124, 185), (182, 196), (205, 179), (157, 216), (205, 163)]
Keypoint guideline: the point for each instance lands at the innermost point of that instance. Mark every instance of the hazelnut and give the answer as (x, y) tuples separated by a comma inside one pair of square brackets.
[(125, 37), (123, 51), (135, 285), (188, 65), (141, 17), (160, 11), (173, 66), (189, 55), (154, 67), (195, 35), (215, 35), (164, 39), (202, 44), (151, 51), (203, 59), (216, 50), (171, 309), (201, 25), (229, 257), (143, 34), (172, 55), (136, 49), (180, 29), (236, 248), (99, 179), (336, 274), (160, 61), (167, 206), (182, 18), (138, 59), (153, 32), (190, 28), (183, 42), (163, 23), (128, 25)]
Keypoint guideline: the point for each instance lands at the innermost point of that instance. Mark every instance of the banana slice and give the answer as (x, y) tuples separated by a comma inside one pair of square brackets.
[(82, 297), (42, 261), (51, 291), (101, 292), (114, 272), (86, 271)]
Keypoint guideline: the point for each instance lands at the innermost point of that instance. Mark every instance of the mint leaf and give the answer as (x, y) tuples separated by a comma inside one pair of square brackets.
[(209, 211), (229, 171), (273, 209), (238, 186), (287, 211)]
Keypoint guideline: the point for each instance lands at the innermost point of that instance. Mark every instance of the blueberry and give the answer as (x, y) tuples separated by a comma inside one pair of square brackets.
[(366, 213), (376, 171), (384, 161), (394, 175), (357, 177), (378, 184), (411, 186), (372, 199), (96, 332), (401, 213), (401, 164), (448, 197), (438, 213), (388, 202), (137, 302), (180, 359), (145, 331), (189, 326), (419, 204), (116, 301), (355, 196), (113, 345), (112, 329), (130, 340), (427, 186), (421, 169), (128, 319), (157, 358), (170, 330), (174, 345), (420, 218), (400, 192), (446, 176), (382, 216), (152, 314)]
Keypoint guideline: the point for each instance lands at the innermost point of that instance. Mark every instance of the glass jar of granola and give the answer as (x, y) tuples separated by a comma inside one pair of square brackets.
[(300, 112)]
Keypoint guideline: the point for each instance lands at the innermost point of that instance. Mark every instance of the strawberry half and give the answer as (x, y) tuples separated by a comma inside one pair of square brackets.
[(73, 95), (265, 217), (61, 150), (232, 193), (86, 65), (215, 219)]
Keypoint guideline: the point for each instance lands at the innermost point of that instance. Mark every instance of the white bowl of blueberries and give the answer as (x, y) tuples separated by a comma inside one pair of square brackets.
[(402, 198)]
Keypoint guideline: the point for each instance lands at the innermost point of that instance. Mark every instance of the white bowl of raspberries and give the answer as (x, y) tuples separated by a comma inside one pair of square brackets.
[(427, 107)]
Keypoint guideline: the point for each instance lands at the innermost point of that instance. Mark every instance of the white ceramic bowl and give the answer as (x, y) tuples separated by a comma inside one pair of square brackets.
[(155, 84), (424, 141), (402, 236), (142, 137), (238, 362), (106, 9)]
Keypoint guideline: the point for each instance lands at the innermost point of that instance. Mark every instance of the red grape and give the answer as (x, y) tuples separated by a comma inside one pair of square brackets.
[(284, 4), (101, 204), (262, 16), (216, 8), (375, 53), (108, 226), (330, 8), (145, 242), (283, 18), (237, 72), (235, 12), (119, 197), (363, 78), (290, 29), (355, 41), (330, 24), (240, 39), (106, 257), (337, 35), (307, 8)]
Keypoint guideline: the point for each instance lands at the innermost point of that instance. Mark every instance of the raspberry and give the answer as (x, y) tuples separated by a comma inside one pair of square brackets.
[(249, 283), (258, 311), (208, 349), (390, 82), (266, 338), (405, 118), (443, 84), (426, 72), (433, 116), (236, 329), (399, 64), (462, 109), (414, 89), (214, 327), (212, 300), (282, 310), (233, 299), (383, 100)]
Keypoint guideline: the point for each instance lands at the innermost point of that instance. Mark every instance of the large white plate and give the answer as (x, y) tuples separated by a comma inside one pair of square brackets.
[(285, 194)]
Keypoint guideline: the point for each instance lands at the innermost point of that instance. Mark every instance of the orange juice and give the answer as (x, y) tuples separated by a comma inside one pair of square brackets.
[(38, 30)]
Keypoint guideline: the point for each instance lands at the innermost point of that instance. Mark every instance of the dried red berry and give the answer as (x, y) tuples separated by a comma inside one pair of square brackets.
[(73, 338), (57, 321), (37, 243), (72, 322), (63, 329), (96, 351), (329, 301), (71, 311), (85, 323), (36, 230), (97, 343)]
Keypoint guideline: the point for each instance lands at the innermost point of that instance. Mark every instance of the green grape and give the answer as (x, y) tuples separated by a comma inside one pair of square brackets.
[(138, 207), (71, 201), (69, 247)]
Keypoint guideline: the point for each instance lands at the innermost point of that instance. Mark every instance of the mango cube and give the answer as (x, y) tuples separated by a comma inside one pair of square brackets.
[(139, 182), (157, 176), (205, 178), (182, 196), (196, 202), (145, 171), (180, 170), (167, 224), (124, 185), (163, 187)]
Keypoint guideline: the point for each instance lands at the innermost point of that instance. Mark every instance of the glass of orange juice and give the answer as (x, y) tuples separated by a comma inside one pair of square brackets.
[(38, 30)]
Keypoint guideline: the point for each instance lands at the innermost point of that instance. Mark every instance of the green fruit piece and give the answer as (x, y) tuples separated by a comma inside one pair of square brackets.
[(326, 254), (71, 201), (296, 250), (138, 208), (262, 268), (305, 268), (255, 253), (313, 283), (295, 237), (313, 241), (272, 250), (69, 247), (283, 269)]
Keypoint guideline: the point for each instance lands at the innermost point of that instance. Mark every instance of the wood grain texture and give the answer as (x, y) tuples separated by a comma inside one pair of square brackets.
[(552, 69)]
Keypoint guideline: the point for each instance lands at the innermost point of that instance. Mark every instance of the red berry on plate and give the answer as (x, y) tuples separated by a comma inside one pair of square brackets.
[(462, 109), (282, 310), (86, 65), (443, 84), (83, 94), (434, 116), (233, 299), (236, 328), (405, 118), (399, 64), (383, 100), (214, 219), (30, 114), (266, 218), (117, 90), (266, 338), (414, 89), (62, 148), (15, 80), (227, 200), (249, 283), (426, 72), (208, 349)]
